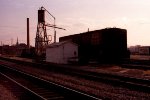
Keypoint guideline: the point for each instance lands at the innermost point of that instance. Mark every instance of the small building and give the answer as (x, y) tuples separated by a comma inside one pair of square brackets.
[(62, 52)]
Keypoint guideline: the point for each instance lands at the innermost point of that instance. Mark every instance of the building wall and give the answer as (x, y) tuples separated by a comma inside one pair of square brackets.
[(53, 55), (62, 53)]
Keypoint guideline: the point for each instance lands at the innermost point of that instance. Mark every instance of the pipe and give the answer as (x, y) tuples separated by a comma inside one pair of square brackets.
[(28, 37)]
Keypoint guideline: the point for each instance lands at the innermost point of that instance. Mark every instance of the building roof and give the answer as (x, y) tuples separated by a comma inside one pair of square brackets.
[(60, 44), (100, 30)]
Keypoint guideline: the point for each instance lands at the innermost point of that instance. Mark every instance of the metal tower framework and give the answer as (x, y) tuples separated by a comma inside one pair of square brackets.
[(42, 39)]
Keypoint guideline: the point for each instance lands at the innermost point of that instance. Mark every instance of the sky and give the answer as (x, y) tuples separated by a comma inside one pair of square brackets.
[(76, 16)]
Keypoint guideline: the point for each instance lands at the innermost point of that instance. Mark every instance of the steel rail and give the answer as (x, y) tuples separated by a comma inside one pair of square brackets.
[(75, 93)]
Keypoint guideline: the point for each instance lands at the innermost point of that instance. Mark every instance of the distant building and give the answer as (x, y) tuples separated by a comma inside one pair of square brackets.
[(144, 50), (139, 50), (134, 49), (14, 50), (62, 52)]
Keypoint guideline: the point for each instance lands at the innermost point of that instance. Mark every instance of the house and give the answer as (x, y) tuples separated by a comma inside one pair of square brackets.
[(62, 52)]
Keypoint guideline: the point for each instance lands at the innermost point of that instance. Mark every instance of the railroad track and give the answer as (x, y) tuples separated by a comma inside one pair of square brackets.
[(138, 84), (40, 88), (132, 83), (17, 89), (136, 66)]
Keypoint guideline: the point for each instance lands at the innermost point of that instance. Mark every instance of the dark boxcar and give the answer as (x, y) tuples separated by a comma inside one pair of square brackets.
[(105, 45), (114, 46)]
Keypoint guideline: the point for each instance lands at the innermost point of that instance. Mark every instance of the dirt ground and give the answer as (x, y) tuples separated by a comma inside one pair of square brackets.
[(5, 94)]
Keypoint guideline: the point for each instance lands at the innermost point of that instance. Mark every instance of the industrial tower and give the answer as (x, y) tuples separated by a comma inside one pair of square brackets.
[(42, 39)]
